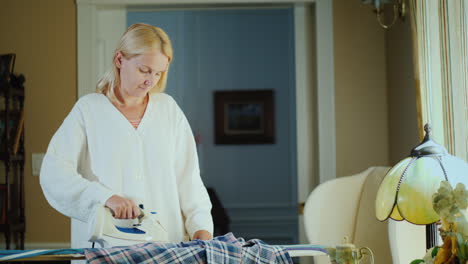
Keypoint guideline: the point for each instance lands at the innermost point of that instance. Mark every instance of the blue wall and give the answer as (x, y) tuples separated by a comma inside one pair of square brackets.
[(241, 49)]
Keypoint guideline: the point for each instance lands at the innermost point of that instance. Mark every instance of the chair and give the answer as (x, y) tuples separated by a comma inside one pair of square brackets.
[(407, 241), (346, 207)]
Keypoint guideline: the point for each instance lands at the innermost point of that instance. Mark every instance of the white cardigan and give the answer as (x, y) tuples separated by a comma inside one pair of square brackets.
[(96, 153)]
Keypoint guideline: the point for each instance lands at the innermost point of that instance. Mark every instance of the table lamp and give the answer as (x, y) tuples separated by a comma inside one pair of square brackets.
[(406, 191)]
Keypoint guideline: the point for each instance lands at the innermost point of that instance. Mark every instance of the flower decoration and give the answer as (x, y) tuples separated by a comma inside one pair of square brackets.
[(451, 205)]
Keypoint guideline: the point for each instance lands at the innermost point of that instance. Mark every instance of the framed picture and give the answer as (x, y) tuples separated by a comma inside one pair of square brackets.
[(244, 117)]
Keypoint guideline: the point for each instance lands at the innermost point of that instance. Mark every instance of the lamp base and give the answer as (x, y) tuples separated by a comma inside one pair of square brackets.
[(431, 235)]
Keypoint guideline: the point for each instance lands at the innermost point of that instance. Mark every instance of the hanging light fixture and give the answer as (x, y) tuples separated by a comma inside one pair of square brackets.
[(399, 10), (406, 191)]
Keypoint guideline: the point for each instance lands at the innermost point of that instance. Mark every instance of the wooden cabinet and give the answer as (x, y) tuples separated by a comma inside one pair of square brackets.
[(12, 154)]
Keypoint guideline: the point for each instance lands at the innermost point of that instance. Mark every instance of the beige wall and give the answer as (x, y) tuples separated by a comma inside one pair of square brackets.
[(402, 114), (43, 36), (360, 88), (376, 119)]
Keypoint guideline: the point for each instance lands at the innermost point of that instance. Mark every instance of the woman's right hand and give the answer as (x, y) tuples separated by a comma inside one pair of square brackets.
[(122, 207)]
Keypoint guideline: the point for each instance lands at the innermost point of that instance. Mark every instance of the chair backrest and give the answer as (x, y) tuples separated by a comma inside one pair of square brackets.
[(408, 241), (369, 231), (346, 207)]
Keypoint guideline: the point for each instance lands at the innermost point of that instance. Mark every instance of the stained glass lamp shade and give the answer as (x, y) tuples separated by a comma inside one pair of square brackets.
[(406, 191)]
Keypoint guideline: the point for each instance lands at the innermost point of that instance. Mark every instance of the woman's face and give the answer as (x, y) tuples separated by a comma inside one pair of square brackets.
[(140, 73)]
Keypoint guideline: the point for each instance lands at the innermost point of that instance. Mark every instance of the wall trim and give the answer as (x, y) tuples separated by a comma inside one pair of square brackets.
[(304, 101), (269, 211), (263, 220), (259, 205), (325, 91)]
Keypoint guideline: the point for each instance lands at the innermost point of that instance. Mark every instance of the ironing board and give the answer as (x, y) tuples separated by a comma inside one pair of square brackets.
[(42, 255), (42, 258), (300, 250)]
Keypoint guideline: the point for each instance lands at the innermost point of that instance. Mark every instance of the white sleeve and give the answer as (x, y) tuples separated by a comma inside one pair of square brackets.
[(194, 199), (64, 188)]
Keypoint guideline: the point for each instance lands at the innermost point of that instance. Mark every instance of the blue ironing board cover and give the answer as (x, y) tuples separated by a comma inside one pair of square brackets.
[(305, 247), (19, 254)]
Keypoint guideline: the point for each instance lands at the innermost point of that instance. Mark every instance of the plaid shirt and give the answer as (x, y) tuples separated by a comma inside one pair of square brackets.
[(222, 249)]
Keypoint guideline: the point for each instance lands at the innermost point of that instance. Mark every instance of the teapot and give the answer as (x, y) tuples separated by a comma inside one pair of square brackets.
[(347, 253)]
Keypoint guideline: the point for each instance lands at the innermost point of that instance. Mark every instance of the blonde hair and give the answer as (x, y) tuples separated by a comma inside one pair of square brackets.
[(137, 40)]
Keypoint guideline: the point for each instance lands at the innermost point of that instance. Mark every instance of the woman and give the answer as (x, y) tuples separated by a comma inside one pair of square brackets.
[(129, 142)]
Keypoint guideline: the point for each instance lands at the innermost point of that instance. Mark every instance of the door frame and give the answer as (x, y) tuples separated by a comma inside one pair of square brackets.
[(100, 24)]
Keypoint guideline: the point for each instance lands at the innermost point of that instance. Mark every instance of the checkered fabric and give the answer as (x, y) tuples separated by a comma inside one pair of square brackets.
[(225, 249)]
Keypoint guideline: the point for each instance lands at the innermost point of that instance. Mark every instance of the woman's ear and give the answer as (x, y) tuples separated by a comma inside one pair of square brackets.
[(118, 59)]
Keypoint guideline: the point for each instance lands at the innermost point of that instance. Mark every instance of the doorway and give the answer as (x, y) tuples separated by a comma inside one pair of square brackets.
[(101, 22), (234, 49)]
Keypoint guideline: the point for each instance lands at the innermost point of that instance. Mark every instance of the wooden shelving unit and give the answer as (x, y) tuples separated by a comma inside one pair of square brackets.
[(12, 154)]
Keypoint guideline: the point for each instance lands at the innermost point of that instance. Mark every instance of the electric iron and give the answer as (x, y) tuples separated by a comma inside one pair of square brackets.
[(109, 231)]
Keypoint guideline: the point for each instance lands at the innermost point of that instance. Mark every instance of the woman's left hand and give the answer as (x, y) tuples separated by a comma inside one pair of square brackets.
[(202, 235)]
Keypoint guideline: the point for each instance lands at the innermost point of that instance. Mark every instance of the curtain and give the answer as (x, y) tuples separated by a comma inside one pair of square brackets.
[(440, 46)]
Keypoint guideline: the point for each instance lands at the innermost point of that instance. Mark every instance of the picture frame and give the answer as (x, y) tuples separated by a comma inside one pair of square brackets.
[(244, 117)]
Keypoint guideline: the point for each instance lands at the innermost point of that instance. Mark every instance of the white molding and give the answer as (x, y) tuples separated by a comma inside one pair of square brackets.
[(86, 21), (326, 126), (304, 102), (99, 29), (257, 205), (256, 220), (112, 22), (259, 210), (305, 111)]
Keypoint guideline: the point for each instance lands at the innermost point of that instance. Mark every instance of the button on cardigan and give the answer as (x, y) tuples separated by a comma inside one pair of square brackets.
[(97, 153)]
